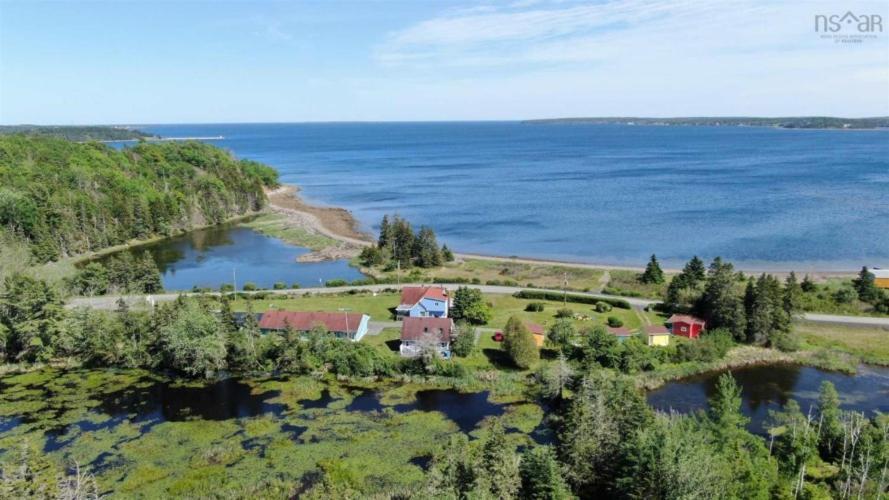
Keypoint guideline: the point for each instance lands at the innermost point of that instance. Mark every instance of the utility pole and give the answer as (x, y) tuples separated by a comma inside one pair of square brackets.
[(234, 280), (398, 272), (565, 289), (345, 311)]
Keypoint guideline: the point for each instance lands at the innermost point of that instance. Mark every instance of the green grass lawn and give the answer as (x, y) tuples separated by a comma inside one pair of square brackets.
[(507, 305), (376, 306), (871, 344), (278, 226), (484, 271), (627, 283)]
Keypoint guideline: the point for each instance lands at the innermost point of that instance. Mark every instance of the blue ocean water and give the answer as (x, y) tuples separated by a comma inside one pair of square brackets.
[(764, 198)]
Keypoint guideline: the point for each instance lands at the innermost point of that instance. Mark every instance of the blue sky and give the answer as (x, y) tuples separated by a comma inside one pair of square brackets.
[(69, 62)]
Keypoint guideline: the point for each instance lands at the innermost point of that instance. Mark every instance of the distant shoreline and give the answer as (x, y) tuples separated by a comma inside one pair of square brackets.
[(163, 139), (339, 224), (787, 123)]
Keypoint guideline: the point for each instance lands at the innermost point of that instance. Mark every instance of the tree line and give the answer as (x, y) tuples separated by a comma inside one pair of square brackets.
[(611, 444), (63, 198), (399, 246)]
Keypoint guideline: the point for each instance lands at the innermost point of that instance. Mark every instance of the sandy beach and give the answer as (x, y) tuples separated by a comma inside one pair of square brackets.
[(339, 224)]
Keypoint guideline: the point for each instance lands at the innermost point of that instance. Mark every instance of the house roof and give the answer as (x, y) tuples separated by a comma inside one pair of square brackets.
[(686, 318), (535, 328), (654, 330), (416, 328), (620, 331), (410, 295), (303, 321)]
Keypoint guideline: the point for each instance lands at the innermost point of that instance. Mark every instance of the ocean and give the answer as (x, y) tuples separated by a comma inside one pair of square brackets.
[(763, 198)]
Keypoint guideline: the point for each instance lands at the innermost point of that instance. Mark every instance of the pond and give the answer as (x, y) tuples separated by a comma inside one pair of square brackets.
[(768, 387), (142, 433), (208, 258)]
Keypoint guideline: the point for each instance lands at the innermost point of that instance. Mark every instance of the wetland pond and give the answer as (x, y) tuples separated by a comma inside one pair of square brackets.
[(769, 387), (210, 257), (147, 434)]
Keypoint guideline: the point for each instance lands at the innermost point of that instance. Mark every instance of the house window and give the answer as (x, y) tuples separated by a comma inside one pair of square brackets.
[(684, 329)]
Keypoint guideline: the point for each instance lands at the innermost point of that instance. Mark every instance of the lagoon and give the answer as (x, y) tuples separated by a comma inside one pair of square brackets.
[(208, 258)]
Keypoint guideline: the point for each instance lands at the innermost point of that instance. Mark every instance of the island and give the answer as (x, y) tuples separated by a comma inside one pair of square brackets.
[(797, 122)]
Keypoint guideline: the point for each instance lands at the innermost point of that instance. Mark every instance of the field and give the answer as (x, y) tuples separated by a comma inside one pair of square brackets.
[(870, 344), (499, 272), (277, 226), (627, 283)]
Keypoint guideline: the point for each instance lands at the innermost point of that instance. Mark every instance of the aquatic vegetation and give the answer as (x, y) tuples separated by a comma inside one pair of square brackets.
[(144, 434)]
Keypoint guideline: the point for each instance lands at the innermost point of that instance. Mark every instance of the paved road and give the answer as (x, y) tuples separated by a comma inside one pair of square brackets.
[(846, 320), (110, 301)]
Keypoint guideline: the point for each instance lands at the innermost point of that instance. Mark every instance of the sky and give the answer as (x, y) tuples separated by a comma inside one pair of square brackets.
[(130, 62)]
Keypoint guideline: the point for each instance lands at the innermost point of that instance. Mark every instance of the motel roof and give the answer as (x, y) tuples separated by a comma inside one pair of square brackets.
[(415, 328), (304, 321), (410, 295), (655, 330), (686, 318)]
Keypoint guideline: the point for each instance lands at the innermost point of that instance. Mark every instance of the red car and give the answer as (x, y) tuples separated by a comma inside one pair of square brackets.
[(498, 336)]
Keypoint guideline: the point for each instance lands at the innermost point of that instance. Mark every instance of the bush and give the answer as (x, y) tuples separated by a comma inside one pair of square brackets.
[(579, 299), (564, 313), (464, 344), (603, 307), (615, 322), (279, 285), (336, 283), (250, 287), (294, 285), (226, 287), (712, 346), (535, 307)]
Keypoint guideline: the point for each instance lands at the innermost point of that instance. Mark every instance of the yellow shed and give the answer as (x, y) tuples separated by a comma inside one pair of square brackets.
[(657, 335), (881, 277)]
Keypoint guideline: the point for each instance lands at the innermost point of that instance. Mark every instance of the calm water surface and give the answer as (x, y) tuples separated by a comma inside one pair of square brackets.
[(769, 387), (213, 256), (765, 198)]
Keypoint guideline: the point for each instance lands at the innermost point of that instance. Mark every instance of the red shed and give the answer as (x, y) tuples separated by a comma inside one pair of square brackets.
[(686, 325)]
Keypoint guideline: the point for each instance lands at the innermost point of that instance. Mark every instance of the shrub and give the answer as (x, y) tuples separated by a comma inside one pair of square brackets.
[(226, 287), (279, 285), (564, 313), (294, 285), (603, 307), (579, 299), (335, 283), (535, 307), (464, 344), (250, 286), (615, 322), (519, 344)]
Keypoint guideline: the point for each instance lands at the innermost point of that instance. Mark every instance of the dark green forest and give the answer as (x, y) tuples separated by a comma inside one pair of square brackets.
[(64, 198), (78, 132)]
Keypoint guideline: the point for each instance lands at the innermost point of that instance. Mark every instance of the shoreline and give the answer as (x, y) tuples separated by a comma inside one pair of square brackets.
[(339, 224)]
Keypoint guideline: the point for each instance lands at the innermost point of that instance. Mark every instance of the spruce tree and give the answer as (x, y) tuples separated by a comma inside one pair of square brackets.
[(384, 241), (447, 254), (426, 249), (541, 477), (695, 270), (653, 273), (793, 293), (865, 285), (808, 286), (722, 305), (519, 343)]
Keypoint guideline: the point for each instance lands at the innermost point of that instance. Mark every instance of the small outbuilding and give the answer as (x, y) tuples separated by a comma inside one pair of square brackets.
[(622, 333), (657, 335), (538, 332), (881, 277), (418, 334), (686, 325)]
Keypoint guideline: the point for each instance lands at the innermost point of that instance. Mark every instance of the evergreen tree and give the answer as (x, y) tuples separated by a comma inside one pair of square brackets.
[(653, 273), (541, 477), (499, 464), (808, 286), (831, 432), (385, 238), (725, 406), (426, 249), (695, 270), (30, 312), (469, 305), (447, 254), (721, 304), (147, 277), (865, 285), (793, 292), (519, 344)]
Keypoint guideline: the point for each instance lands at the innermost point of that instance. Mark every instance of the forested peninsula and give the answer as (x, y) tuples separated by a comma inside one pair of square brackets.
[(80, 133), (60, 198)]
